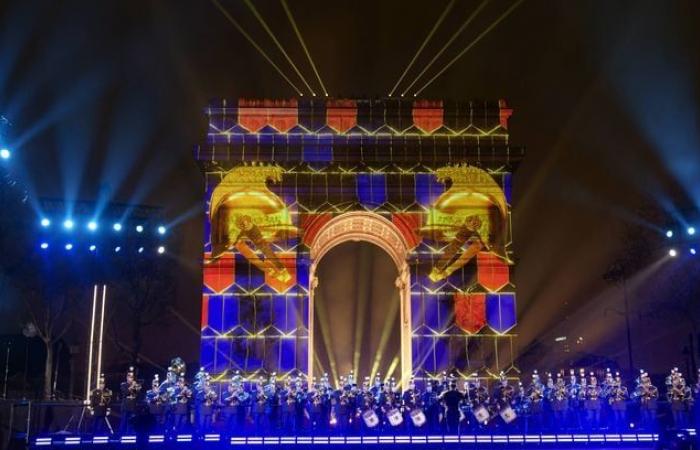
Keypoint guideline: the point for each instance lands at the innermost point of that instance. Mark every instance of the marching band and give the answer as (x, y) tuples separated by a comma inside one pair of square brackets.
[(295, 405)]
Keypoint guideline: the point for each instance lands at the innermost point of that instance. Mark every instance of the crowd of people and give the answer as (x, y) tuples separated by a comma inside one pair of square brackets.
[(573, 401)]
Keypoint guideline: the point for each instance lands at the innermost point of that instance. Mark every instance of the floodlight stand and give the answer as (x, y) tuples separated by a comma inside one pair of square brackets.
[(94, 365)]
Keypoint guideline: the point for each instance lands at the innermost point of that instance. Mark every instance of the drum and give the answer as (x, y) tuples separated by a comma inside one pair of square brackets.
[(395, 417), (371, 419), (508, 414), (481, 414), (418, 417)]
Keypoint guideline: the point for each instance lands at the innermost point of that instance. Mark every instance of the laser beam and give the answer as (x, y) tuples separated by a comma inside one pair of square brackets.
[(255, 44), (422, 46), (472, 44), (258, 16), (303, 44), (456, 34)]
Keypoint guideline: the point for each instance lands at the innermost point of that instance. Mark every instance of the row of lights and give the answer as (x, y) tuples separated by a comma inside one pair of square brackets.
[(93, 248), (689, 230), (68, 224), (673, 252)]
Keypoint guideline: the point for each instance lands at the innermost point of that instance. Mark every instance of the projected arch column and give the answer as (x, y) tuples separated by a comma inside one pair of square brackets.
[(373, 228)]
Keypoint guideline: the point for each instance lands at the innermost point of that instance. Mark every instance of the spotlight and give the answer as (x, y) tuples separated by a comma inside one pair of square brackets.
[(693, 251), (93, 247), (69, 246), (117, 249), (672, 253), (92, 225), (117, 226), (44, 245), (68, 224), (139, 228), (669, 234), (140, 250), (161, 229), (691, 231), (161, 250), (5, 153), (45, 222)]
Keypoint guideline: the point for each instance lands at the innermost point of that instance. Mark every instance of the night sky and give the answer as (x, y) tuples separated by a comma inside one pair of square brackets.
[(106, 100)]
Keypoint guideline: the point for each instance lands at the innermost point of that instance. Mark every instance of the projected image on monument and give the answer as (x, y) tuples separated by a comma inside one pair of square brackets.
[(356, 313)]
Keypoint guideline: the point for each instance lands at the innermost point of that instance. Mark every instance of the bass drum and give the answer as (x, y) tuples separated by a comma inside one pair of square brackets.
[(418, 417)]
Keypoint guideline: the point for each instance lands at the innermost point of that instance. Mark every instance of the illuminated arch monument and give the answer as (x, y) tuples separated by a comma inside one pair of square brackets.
[(427, 181)]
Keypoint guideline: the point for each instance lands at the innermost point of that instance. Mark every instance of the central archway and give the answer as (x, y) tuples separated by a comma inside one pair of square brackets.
[(369, 227)]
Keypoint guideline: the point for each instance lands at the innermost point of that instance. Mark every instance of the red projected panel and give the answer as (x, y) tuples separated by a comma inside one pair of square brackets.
[(470, 312)]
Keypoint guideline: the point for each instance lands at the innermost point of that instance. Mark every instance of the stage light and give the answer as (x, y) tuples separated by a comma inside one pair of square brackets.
[(140, 250), (139, 228), (691, 231), (45, 222), (5, 153), (161, 229), (669, 234), (672, 253), (117, 226), (117, 249), (44, 245), (69, 246), (693, 251), (68, 224), (161, 250), (92, 225), (93, 247)]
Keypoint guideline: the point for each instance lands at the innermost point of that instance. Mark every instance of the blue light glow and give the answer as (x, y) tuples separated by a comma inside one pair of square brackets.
[(693, 251), (44, 245), (672, 253), (691, 231), (139, 228), (5, 153), (68, 224), (93, 247), (45, 222), (69, 246), (92, 225), (117, 226), (161, 229), (669, 234), (161, 250), (117, 249), (140, 250)]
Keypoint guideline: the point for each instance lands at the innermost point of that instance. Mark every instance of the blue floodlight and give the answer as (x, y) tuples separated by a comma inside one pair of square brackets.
[(140, 250), (117, 226), (93, 247), (69, 246), (691, 231), (669, 234), (68, 224), (117, 249), (139, 228), (672, 253), (161, 250), (44, 245), (693, 251), (45, 222), (92, 225), (161, 229), (5, 153)]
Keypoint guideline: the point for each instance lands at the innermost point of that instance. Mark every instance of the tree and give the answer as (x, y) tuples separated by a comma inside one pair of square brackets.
[(143, 293)]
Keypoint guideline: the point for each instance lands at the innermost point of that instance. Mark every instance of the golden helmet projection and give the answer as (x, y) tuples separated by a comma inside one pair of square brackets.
[(247, 216), (471, 216)]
